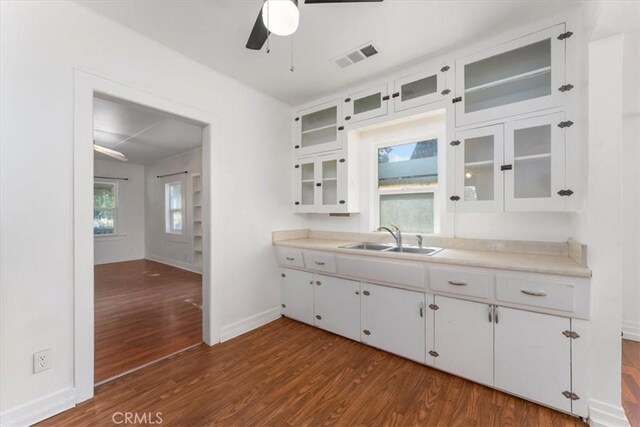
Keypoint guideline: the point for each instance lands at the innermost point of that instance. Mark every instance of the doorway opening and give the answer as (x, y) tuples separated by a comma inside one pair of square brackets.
[(148, 232)]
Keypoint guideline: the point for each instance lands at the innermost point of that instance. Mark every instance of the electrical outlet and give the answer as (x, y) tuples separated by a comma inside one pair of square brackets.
[(41, 360)]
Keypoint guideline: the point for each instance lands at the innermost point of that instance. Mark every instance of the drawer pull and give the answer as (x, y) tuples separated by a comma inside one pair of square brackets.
[(451, 282), (320, 263), (290, 259), (534, 293)]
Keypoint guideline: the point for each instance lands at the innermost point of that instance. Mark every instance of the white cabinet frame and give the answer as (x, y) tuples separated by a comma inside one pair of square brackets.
[(555, 99), (352, 117), (399, 105), (336, 144), (555, 202)]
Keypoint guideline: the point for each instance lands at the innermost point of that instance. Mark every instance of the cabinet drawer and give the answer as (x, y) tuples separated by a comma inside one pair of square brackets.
[(320, 261), (289, 257), (473, 283), (378, 270), (536, 292)]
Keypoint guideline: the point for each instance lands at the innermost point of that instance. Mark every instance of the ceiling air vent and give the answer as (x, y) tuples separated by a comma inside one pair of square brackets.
[(356, 55)]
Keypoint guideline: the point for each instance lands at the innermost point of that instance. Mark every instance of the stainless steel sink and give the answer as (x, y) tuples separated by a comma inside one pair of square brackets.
[(369, 246), (414, 250), (382, 247)]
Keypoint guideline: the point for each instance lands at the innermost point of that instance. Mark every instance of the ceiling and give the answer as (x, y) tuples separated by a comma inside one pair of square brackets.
[(214, 33), (142, 134)]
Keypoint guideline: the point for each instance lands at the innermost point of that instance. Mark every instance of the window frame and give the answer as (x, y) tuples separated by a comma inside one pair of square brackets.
[(114, 210), (168, 211), (436, 189)]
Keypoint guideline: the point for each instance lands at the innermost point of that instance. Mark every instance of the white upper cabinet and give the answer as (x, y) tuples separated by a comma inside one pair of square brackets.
[(535, 154), (520, 76), (419, 89), (319, 129), (322, 184), (478, 157), (367, 104)]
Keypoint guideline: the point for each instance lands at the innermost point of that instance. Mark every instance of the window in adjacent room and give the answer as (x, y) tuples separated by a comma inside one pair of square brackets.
[(105, 208), (407, 179), (174, 207)]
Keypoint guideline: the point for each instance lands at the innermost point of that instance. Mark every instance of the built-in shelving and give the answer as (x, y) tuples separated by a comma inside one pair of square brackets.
[(196, 227)]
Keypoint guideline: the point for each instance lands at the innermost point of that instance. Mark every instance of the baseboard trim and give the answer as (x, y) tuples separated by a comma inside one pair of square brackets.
[(173, 263), (631, 330), (605, 415), (248, 324), (40, 409)]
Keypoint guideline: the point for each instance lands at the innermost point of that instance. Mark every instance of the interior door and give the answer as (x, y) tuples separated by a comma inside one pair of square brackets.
[(337, 306), (535, 148), (479, 182), (533, 357), (464, 339), (297, 295), (394, 320)]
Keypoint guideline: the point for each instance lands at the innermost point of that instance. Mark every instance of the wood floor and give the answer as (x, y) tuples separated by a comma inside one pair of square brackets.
[(631, 381), (290, 374), (144, 311)]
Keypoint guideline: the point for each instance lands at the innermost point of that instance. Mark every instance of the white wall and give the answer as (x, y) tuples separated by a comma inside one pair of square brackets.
[(631, 187), (129, 242), (160, 246), (41, 44)]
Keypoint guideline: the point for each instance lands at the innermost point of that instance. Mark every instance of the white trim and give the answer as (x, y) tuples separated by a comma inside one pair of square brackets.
[(173, 263), (40, 409), (86, 85), (630, 330), (249, 323), (604, 415)]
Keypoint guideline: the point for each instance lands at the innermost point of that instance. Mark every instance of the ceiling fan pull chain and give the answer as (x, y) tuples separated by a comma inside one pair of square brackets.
[(292, 67)]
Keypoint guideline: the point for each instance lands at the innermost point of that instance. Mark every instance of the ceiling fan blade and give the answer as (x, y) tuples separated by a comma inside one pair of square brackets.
[(259, 34), (340, 1), (111, 153)]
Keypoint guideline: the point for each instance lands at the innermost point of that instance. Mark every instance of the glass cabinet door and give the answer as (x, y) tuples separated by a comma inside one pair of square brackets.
[(478, 157), (319, 129), (367, 104), (535, 150), (305, 186), (517, 77), (329, 181), (419, 89)]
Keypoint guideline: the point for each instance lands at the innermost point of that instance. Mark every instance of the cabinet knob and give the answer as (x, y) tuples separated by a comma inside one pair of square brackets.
[(297, 203), (357, 292), (318, 317), (385, 98)]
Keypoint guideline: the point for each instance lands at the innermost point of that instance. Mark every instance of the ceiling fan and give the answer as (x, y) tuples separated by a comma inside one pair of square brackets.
[(281, 18), (109, 152)]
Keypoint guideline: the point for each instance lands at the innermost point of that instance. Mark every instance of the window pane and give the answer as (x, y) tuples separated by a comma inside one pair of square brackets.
[(410, 212), (176, 220), (408, 165), (104, 195), (103, 221), (175, 191)]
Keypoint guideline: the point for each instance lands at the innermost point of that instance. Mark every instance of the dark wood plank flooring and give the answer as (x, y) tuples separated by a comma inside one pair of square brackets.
[(144, 311), (290, 374)]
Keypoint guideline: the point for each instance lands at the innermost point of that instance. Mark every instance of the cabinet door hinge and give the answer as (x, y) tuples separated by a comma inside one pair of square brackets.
[(445, 68), (565, 124), (340, 127), (456, 99), (570, 395), (342, 160), (445, 92), (434, 353), (565, 88), (571, 334), (366, 332), (565, 35), (454, 198), (367, 293), (455, 143), (284, 305), (296, 119), (565, 192), (342, 202), (296, 203), (296, 166), (348, 118), (347, 100), (433, 307)]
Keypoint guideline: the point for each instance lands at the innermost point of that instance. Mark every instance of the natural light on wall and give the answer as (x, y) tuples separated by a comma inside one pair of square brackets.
[(173, 204)]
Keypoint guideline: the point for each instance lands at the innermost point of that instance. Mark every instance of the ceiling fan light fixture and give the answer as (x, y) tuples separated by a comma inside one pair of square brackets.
[(111, 153), (281, 17)]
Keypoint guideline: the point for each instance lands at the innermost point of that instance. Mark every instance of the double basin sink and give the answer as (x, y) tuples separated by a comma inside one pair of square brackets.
[(382, 247)]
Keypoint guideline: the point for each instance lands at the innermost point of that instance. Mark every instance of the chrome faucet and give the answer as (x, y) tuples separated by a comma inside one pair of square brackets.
[(397, 235), (419, 239)]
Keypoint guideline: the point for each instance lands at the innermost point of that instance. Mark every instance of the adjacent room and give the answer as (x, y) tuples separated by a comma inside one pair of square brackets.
[(320, 212), (148, 231)]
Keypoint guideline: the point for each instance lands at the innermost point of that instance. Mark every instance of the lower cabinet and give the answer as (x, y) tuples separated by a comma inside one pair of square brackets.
[(394, 320), (464, 338), (533, 356), (297, 295), (337, 306)]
